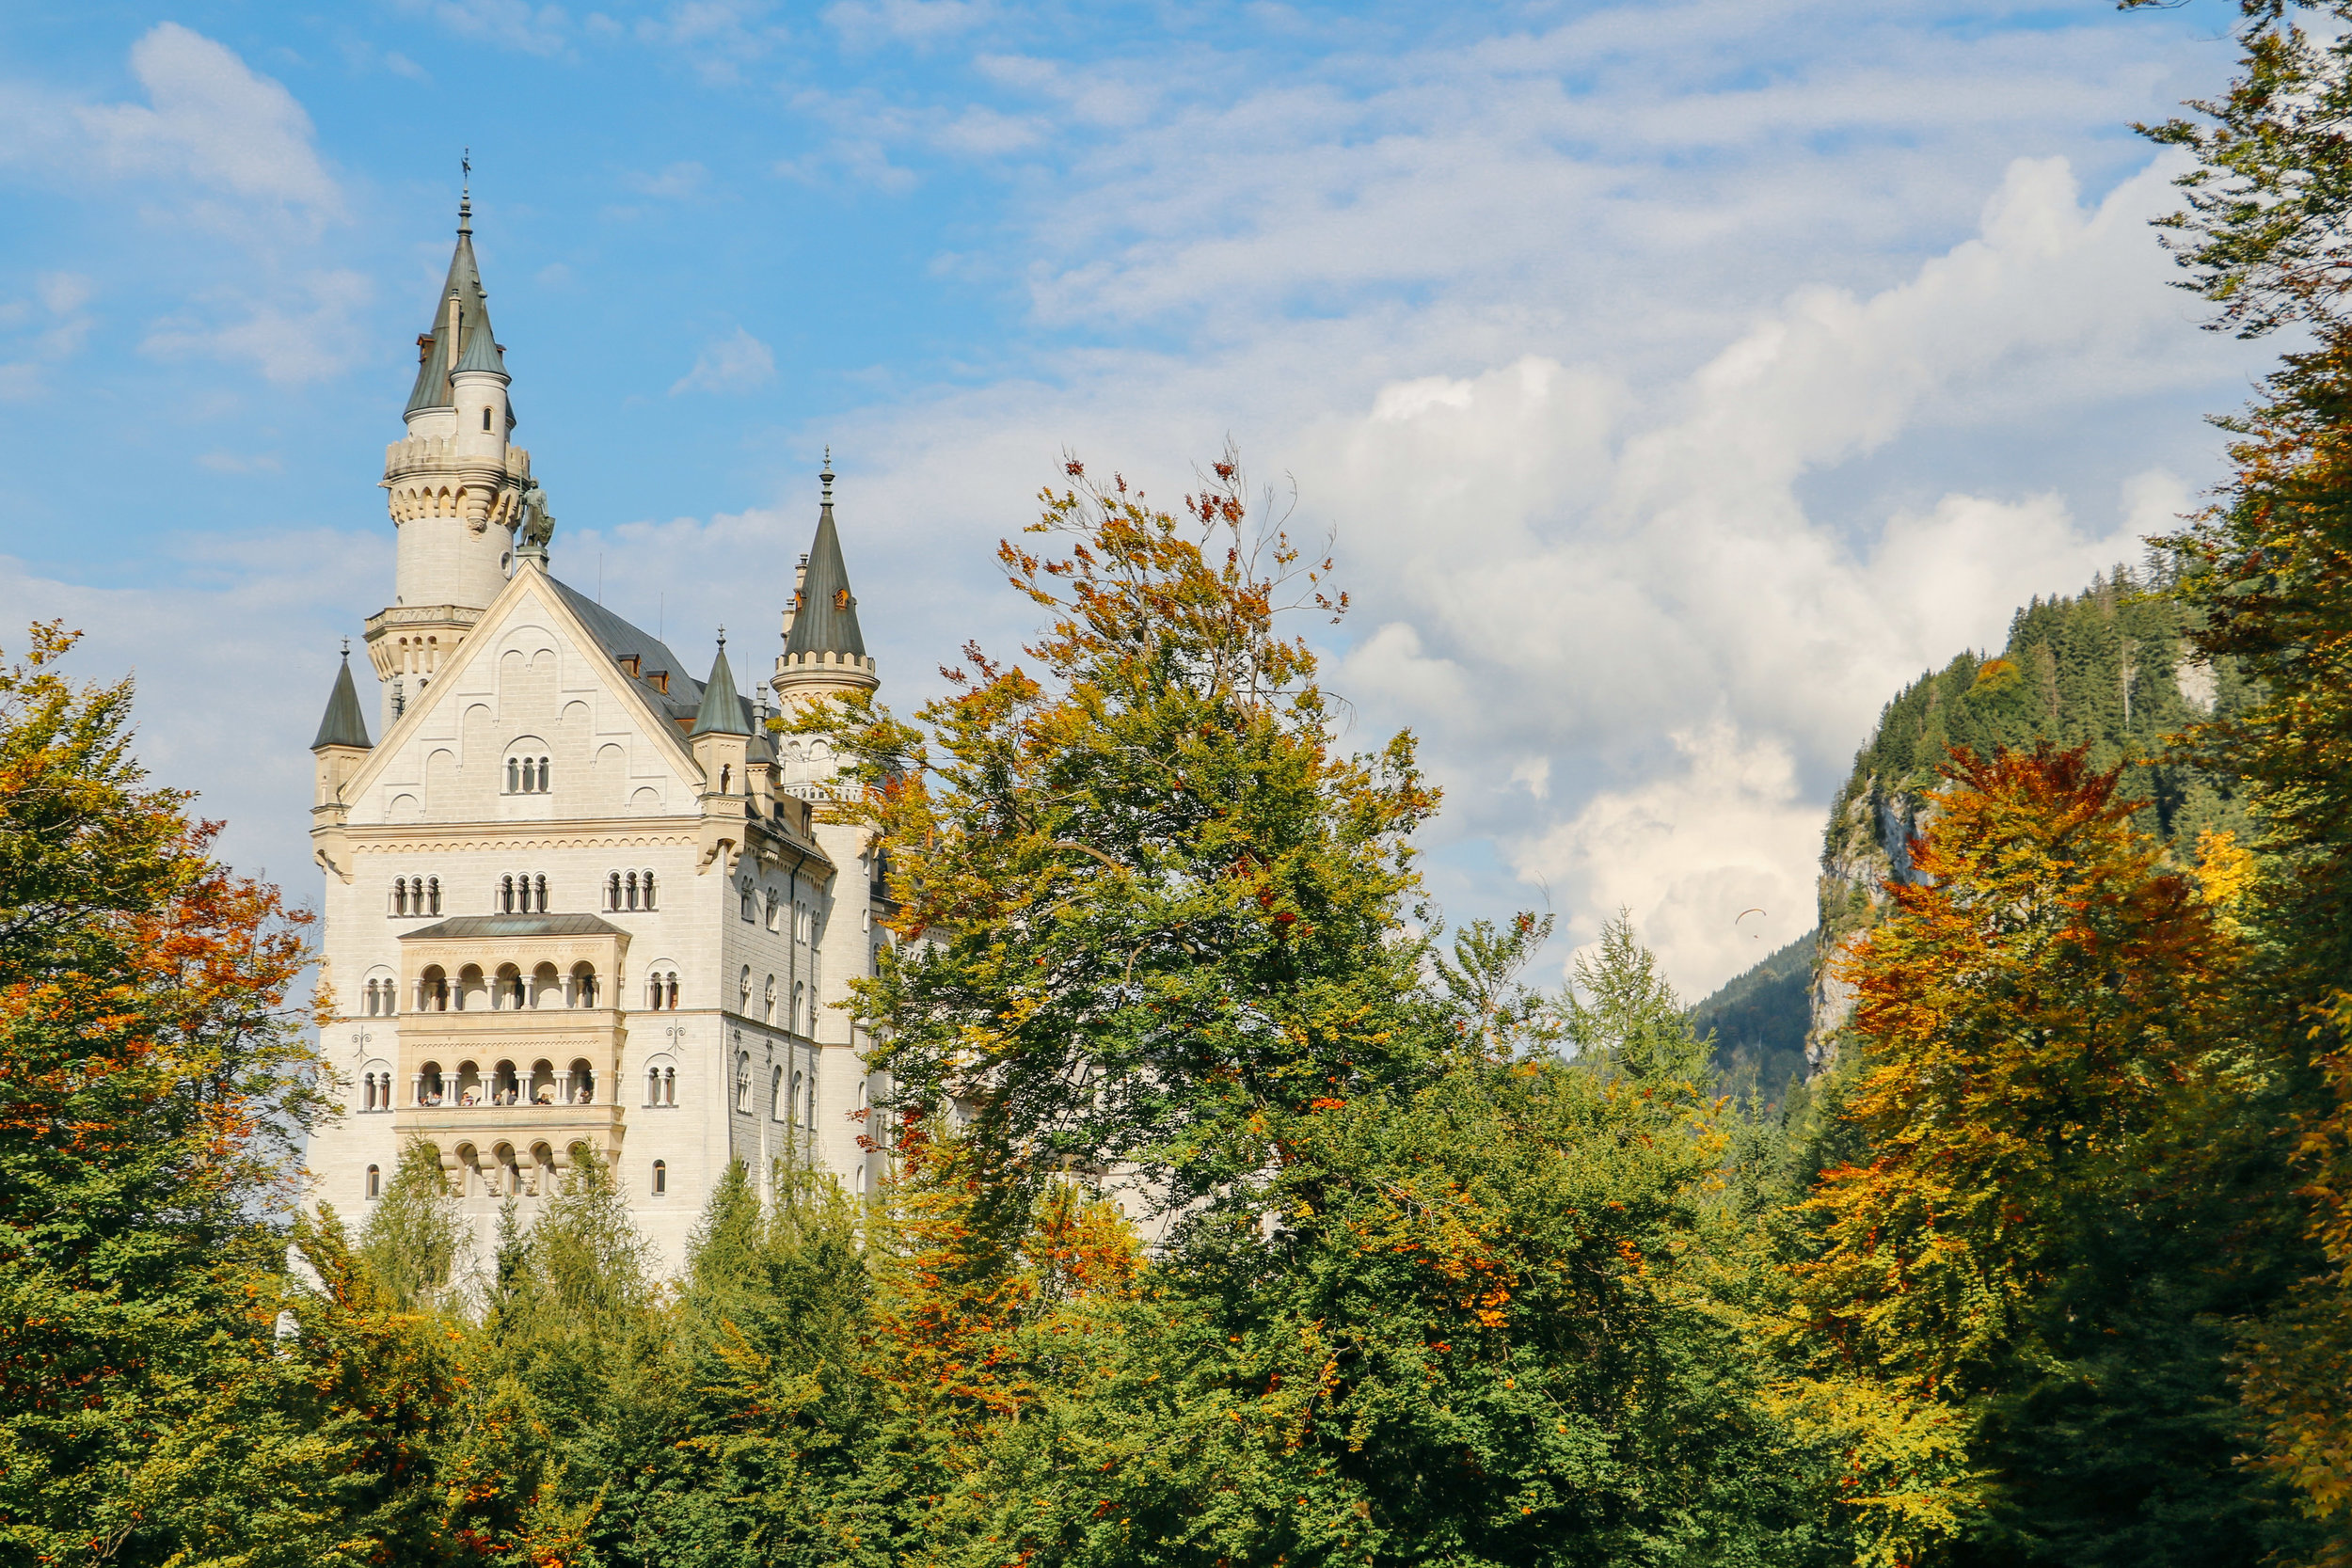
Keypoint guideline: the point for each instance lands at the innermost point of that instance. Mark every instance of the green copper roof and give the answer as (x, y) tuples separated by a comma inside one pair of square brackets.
[(477, 346), (824, 618), (722, 712), (344, 724)]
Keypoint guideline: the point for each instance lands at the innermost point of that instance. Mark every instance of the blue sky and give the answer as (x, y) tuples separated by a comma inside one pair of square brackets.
[(1678, 378)]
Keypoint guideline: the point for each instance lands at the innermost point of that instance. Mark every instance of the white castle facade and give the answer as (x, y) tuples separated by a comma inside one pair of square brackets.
[(575, 898)]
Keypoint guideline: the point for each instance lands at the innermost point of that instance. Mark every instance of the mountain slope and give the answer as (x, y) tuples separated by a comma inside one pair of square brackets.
[(2103, 669)]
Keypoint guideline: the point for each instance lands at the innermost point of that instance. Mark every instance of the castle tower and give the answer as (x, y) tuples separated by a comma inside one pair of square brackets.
[(824, 652), (455, 485)]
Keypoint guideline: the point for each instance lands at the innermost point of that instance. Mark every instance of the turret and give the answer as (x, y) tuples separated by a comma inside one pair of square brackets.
[(337, 750), (721, 740), (454, 484), (824, 652)]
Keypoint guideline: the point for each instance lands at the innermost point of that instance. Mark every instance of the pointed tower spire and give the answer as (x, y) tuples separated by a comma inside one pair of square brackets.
[(344, 724), (460, 337), (455, 482), (824, 650), (824, 613), (722, 712)]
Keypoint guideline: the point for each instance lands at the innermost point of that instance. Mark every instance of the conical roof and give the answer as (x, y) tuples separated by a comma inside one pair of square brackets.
[(824, 617), (344, 724), (476, 348), (722, 712)]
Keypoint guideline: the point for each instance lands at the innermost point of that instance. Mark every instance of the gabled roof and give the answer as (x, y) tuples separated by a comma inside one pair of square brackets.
[(723, 710), (622, 641), (477, 346), (666, 715), (824, 616), (345, 724)]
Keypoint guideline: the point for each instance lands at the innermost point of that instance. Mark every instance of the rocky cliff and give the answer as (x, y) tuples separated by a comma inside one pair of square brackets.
[(2105, 669)]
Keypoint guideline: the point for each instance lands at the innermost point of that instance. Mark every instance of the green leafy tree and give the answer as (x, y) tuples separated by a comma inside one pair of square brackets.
[(154, 1080), (1163, 908)]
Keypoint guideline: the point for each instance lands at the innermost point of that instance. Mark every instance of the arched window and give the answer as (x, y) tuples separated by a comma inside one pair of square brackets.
[(375, 1181), (400, 896), (660, 1179), (485, 418), (506, 895), (433, 990), (539, 892), (774, 905), (743, 990), (584, 986), (792, 1113), (811, 1120), (861, 1179), (652, 991), (543, 775), (768, 1008), (513, 783), (744, 1080), (800, 1003), (433, 894), (748, 912), (648, 883), (673, 985), (777, 1104), (726, 777), (613, 891), (632, 890)]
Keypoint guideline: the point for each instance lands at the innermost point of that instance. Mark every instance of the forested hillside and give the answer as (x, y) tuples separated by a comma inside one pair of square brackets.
[(1758, 1022), (2106, 669)]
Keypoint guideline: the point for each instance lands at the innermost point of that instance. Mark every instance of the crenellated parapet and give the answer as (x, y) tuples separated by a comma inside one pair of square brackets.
[(430, 476), (819, 672)]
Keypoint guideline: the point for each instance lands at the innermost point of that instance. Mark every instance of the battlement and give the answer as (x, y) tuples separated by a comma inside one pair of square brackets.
[(433, 454), (824, 662)]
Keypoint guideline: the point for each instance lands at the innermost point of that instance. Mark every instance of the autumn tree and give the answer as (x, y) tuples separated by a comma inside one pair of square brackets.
[(154, 1084), (2046, 1177), (1163, 910)]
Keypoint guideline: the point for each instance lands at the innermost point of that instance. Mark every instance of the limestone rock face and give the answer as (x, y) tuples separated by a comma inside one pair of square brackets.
[(1865, 845)]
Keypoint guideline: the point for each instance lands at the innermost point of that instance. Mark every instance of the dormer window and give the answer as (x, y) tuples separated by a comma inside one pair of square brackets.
[(629, 663)]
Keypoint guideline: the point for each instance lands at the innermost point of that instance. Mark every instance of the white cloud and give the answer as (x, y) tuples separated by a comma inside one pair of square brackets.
[(60, 326), (1599, 602), (313, 335), (736, 363), (267, 610), (862, 23), (212, 120), (543, 30), (1726, 829)]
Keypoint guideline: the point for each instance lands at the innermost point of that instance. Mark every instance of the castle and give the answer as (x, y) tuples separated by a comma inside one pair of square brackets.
[(577, 899)]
